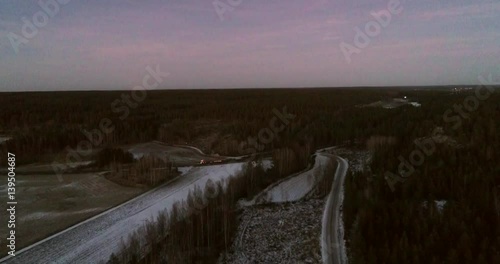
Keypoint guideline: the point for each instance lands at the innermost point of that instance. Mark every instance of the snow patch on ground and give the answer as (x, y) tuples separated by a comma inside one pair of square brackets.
[(4, 139), (440, 204), (184, 170), (267, 165), (392, 103), (297, 187), (137, 156), (415, 104)]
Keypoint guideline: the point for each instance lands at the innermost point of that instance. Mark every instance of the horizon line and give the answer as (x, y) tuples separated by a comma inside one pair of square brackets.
[(255, 88)]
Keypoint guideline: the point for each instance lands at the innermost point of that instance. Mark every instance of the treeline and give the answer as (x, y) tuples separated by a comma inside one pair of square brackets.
[(447, 210), (109, 156), (46, 124), (148, 170)]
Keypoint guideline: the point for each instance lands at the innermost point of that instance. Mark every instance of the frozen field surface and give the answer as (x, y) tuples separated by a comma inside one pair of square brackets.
[(47, 206)]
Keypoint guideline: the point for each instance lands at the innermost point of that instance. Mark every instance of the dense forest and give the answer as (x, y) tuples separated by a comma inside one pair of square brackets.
[(44, 125), (431, 195), (444, 208)]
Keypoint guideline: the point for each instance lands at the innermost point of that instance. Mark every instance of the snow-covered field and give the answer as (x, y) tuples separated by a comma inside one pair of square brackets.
[(93, 240), (46, 205)]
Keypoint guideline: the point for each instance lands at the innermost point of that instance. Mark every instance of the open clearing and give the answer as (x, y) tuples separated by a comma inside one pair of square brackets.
[(46, 206), (179, 155), (392, 103)]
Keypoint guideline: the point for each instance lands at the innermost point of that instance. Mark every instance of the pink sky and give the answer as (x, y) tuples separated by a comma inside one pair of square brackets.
[(96, 45)]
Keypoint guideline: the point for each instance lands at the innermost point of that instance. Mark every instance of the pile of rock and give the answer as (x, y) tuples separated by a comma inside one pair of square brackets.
[(278, 233)]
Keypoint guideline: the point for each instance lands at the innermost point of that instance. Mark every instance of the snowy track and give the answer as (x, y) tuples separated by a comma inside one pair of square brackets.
[(95, 239), (297, 186), (332, 241)]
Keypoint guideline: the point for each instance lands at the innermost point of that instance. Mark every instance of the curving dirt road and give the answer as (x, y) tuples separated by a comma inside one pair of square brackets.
[(332, 242)]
